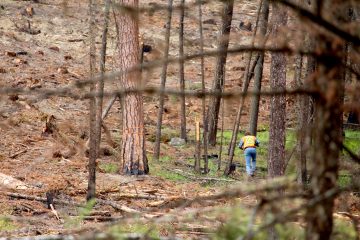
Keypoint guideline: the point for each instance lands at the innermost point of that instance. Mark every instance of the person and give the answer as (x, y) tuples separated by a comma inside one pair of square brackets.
[(249, 143)]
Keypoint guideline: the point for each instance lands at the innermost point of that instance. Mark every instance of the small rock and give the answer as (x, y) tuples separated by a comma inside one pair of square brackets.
[(237, 68), (29, 11), (177, 141), (22, 53), (210, 21), (40, 52), (105, 152), (147, 48), (247, 26), (20, 61), (62, 70), (188, 104), (10, 54), (2, 70), (57, 154), (68, 57), (38, 184), (14, 97), (55, 48)]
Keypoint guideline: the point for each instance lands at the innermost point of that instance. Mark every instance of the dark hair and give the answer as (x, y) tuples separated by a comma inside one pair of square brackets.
[(247, 133)]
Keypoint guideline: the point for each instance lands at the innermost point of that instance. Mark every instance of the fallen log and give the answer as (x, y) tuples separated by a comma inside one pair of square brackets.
[(12, 183), (114, 205)]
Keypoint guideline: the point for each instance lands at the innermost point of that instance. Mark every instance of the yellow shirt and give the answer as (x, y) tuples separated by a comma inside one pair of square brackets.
[(248, 141)]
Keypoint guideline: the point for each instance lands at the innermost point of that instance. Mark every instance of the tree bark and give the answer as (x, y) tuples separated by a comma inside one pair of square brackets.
[(163, 82), (93, 141), (98, 101), (203, 100), (183, 134), (254, 112), (304, 131), (302, 116), (100, 84), (327, 139), (305, 106), (276, 161), (133, 158), (219, 79)]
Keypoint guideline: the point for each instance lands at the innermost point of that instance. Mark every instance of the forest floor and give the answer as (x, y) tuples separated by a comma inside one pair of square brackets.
[(53, 54)]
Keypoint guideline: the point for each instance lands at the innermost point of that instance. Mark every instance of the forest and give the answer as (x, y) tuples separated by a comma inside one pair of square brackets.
[(180, 119)]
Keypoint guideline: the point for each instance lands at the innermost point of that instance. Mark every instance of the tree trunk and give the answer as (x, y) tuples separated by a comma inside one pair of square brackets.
[(96, 103), (100, 84), (304, 137), (93, 141), (254, 112), (219, 79), (133, 158), (181, 72), (203, 100), (304, 107), (163, 82), (276, 161), (302, 116), (327, 139)]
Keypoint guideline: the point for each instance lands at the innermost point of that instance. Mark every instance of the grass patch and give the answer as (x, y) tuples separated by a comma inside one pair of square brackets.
[(6, 224), (109, 167), (159, 169), (150, 230), (166, 135), (352, 141), (236, 226), (82, 213), (344, 179), (343, 230)]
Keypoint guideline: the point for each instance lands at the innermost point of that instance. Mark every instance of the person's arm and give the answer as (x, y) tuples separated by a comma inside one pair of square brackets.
[(241, 144), (257, 143)]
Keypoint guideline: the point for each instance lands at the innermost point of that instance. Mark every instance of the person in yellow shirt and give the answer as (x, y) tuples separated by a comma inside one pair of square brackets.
[(249, 143)]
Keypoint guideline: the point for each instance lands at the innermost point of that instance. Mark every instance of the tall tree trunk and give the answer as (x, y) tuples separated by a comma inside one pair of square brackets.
[(302, 116), (163, 82), (100, 84), (219, 79), (254, 112), (93, 151), (133, 158), (304, 107), (221, 136), (181, 72), (327, 139), (276, 161), (203, 100), (96, 103)]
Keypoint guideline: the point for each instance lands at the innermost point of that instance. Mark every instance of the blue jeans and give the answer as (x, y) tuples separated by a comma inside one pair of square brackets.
[(250, 158)]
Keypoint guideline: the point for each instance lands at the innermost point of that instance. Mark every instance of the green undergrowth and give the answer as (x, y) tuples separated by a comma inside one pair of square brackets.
[(82, 213), (343, 229), (352, 141), (109, 167), (344, 179), (161, 168), (150, 231), (6, 224)]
